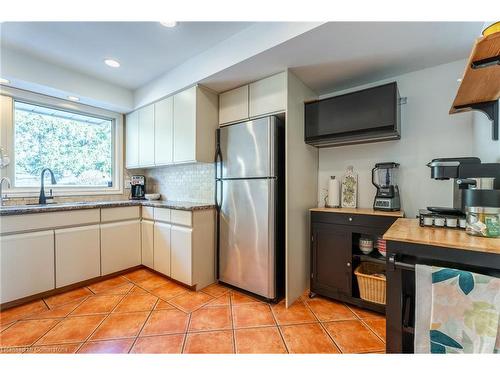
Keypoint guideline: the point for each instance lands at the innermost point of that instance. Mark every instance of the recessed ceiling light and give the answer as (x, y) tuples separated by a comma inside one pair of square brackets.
[(4, 81), (112, 63), (169, 24), (74, 98)]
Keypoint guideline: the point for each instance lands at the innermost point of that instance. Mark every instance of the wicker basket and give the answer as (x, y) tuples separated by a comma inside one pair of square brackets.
[(371, 288)]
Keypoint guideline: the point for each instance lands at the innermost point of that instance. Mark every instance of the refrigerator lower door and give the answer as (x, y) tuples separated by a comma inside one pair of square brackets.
[(247, 250)]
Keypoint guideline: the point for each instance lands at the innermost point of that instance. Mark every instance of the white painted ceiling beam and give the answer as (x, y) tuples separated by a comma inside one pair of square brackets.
[(239, 47)]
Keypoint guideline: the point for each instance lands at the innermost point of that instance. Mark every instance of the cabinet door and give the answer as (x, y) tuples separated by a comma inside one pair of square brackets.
[(185, 126), (120, 246), (27, 265), (181, 251), (331, 258), (132, 140), (267, 95), (147, 136), (78, 254), (233, 105), (162, 248), (164, 122), (147, 249)]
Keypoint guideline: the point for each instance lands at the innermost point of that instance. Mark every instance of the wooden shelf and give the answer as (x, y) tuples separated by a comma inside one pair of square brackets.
[(374, 257), (480, 85), (479, 89)]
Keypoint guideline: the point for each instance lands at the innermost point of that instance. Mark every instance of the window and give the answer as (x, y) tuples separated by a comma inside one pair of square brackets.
[(77, 148)]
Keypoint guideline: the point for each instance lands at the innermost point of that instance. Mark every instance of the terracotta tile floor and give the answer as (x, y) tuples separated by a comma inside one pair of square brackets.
[(141, 312)]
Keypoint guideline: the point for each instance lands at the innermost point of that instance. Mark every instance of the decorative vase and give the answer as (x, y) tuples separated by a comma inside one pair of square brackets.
[(350, 188)]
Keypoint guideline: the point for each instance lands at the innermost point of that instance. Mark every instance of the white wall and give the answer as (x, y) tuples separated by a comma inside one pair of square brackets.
[(485, 148), (428, 132)]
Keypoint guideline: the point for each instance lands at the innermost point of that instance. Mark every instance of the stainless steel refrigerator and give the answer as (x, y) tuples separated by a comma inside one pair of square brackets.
[(250, 195)]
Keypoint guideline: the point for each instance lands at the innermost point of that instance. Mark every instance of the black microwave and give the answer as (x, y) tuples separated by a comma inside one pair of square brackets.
[(368, 115)]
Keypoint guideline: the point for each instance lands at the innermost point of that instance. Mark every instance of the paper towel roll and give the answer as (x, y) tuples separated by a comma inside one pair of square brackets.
[(333, 192)]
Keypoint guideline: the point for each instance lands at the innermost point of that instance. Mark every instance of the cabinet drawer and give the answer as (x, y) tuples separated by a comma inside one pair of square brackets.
[(120, 213), (148, 213), (162, 214), (181, 217), (381, 222), (29, 222)]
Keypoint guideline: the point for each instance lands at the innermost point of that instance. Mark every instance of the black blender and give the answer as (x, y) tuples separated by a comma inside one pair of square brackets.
[(384, 178)]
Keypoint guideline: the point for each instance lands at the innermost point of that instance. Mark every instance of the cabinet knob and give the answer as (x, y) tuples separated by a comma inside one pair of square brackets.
[(348, 264), (350, 219)]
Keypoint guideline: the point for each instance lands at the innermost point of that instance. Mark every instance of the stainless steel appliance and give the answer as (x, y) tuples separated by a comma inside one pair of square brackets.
[(476, 192), (137, 187), (249, 189), (384, 178)]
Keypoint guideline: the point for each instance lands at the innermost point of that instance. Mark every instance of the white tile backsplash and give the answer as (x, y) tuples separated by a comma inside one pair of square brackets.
[(184, 182)]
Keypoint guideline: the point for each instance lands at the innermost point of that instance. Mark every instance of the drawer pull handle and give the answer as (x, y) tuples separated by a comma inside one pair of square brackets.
[(350, 219), (348, 264)]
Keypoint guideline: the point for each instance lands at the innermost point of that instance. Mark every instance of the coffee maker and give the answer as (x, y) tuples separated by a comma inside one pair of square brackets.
[(137, 187), (384, 178), (476, 184)]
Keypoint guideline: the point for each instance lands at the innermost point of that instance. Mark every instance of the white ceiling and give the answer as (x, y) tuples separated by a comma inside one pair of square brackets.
[(339, 55), (144, 49), (158, 61)]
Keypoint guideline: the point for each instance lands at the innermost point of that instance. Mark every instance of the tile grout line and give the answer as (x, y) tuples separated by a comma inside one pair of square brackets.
[(140, 331), (232, 322), (372, 330), (60, 321), (185, 335), (279, 330), (323, 328)]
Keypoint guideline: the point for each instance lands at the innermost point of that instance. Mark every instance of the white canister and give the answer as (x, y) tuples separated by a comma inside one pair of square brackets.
[(333, 192), (439, 221)]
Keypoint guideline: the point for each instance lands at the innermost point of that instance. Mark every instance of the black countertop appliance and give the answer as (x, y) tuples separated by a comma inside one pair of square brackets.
[(137, 187), (476, 184)]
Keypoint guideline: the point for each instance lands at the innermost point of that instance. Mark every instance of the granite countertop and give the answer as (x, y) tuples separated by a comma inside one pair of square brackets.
[(33, 209), (409, 230), (359, 211)]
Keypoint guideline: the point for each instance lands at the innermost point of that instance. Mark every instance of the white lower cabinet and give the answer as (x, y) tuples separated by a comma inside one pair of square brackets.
[(181, 251), (27, 264), (147, 236), (162, 253), (120, 246), (78, 254)]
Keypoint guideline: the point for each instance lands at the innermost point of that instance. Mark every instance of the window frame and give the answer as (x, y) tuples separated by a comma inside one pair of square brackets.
[(7, 131)]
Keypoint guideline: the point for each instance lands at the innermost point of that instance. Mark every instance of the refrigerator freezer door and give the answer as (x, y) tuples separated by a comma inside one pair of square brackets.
[(247, 254), (247, 149)]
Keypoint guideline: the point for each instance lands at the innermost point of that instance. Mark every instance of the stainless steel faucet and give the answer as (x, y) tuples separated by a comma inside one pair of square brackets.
[(1, 184), (42, 199)]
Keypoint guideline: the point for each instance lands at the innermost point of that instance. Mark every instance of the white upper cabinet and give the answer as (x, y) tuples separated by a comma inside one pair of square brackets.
[(185, 126), (233, 105), (267, 95), (132, 140), (147, 136), (164, 126), (177, 129), (195, 121)]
